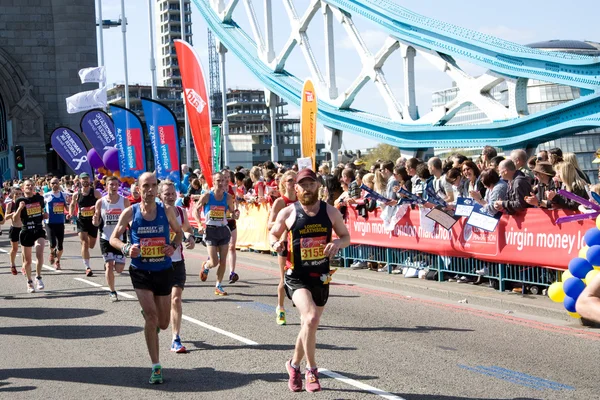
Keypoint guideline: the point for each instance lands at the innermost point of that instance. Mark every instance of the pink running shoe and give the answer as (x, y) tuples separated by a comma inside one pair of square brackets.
[(312, 380), (295, 381)]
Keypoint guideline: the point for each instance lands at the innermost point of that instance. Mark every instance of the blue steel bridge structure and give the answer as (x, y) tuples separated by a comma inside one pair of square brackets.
[(440, 43)]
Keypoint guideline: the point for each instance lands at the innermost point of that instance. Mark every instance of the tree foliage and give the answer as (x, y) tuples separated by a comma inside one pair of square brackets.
[(382, 152)]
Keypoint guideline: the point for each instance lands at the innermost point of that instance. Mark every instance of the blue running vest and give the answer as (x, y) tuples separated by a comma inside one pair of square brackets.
[(151, 236)]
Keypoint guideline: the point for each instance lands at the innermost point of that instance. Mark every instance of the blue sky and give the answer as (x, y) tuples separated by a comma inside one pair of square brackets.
[(518, 21)]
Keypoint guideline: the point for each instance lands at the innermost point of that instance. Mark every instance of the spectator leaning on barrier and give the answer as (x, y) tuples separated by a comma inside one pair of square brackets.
[(402, 177), (496, 190), (495, 162), (519, 157), (423, 175), (455, 178), (471, 182), (571, 182), (519, 187), (543, 173), (442, 188), (411, 169), (571, 158), (487, 154), (387, 171)]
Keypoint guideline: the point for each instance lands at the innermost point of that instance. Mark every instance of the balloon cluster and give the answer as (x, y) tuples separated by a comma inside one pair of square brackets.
[(108, 165), (581, 272)]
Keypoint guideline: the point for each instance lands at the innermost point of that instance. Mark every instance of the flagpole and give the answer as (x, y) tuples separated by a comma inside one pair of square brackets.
[(124, 31), (188, 139), (100, 36), (152, 60)]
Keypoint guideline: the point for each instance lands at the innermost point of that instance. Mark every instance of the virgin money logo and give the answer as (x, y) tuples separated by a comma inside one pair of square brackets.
[(310, 97), (195, 100)]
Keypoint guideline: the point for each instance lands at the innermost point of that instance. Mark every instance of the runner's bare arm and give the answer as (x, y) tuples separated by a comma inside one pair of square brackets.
[(97, 213), (196, 211), (126, 202), (340, 229), (175, 227), (231, 204), (279, 228), (278, 205), (188, 233), (124, 221), (73, 202), (97, 194), (588, 303)]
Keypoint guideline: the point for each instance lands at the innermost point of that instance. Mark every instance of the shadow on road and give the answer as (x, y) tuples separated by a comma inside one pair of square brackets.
[(57, 294), (423, 329), (48, 313), (176, 380), (200, 345), (69, 332)]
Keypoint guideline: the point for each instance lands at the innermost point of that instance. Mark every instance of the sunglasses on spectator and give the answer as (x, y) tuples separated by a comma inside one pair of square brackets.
[(540, 159)]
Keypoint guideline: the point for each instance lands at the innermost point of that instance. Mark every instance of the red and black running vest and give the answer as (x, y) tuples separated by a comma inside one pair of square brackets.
[(307, 239)]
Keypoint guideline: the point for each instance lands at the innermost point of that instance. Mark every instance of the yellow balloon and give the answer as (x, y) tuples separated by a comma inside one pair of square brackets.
[(573, 315), (590, 276), (598, 222), (566, 275), (583, 251), (597, 267), (556, 292)]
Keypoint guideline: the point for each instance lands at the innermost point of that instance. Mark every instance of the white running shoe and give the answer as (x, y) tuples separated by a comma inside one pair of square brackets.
[(40, 284), (30, 288)]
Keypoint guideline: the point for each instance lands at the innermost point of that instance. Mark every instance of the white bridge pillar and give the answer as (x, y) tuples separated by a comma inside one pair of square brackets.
[(410, 100), (333, 142)]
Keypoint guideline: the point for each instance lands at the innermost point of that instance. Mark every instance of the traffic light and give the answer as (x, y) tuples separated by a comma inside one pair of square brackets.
[(19, 158)]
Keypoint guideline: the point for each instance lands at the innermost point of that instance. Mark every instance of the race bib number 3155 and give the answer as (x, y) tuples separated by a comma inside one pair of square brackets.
[(152, 247), (312, 248)]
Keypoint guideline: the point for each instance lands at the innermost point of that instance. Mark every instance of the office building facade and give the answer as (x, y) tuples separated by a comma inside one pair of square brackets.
[(168, 27)]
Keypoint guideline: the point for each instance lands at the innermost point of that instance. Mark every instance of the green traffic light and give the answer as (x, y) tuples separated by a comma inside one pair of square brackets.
[(19, 165)]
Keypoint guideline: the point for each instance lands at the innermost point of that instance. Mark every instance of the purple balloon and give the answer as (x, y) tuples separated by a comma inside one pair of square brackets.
[(111, 159), (94, 159)]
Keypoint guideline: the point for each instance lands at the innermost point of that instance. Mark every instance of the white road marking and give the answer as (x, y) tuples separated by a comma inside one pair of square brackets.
[(3, 251), (360, 385), (121, 294), (219, 330)]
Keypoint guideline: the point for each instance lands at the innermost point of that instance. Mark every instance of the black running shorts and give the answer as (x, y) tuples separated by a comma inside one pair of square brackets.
[(179, 274), (232, 224), (86, 226), (319, 292), (217, 235), (158, 282), (13, 234), (109, 253), (29, 236)]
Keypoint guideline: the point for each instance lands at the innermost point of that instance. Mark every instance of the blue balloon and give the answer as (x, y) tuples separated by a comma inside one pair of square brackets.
[(569, 304), (592, 237), (579, 267), (593, 255), (573, 287)]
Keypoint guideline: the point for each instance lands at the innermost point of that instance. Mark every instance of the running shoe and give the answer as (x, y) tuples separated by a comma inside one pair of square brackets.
[(89, 272), (177, 347), (204, 273), (233, 278), (219, 291), (280, 316), (13, 270), (23, 271), (57, 265), (40, 283), (30, 288), (295, 381), (312, 380), (113, 296), (156, 376)]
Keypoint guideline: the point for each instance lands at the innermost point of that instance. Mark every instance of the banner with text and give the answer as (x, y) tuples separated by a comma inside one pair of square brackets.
[(531, 238), (69, 146), (216, 134), (99, 129), (130, 142), (164, 138), (308, 122), (197, 105)]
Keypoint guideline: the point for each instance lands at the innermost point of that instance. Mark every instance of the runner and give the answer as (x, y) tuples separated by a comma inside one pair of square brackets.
[(86, 198), (151, 270), (15, 228), (168, 195), (217, 234), (231, 223), (287, 187), (56, 201), (31, 213), (108, 210), (310, 223)]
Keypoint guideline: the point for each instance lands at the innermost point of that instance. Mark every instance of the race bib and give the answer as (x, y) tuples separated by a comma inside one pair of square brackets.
[(312, 248), (152, 247), (88, 212), (33, 209), (216, 213), (112, 216), (58, 208)]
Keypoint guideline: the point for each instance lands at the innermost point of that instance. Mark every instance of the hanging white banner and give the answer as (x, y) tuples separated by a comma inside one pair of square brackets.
[(93, 74), (88, 100)]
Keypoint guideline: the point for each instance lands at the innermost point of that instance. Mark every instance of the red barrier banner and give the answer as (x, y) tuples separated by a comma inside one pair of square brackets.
[(528, 238)]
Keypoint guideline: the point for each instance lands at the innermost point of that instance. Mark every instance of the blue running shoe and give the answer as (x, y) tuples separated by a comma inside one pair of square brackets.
[(177, 347)]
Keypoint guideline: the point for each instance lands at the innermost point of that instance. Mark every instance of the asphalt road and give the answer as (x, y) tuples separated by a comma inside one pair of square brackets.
[(70, 341)]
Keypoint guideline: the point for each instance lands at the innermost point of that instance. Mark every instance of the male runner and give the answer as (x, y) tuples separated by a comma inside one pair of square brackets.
[(86, 199), (288, 196), (15, 228), (56, 202), (31, 213), (232, 216), (168, 195), (150, 250), (108, 210), (310, 223), (217, 234)]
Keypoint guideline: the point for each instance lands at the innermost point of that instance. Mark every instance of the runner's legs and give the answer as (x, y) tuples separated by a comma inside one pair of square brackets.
[(281, 286), (176, 310), (232, 252), (156, 313), (310, 316), (39, 253)]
